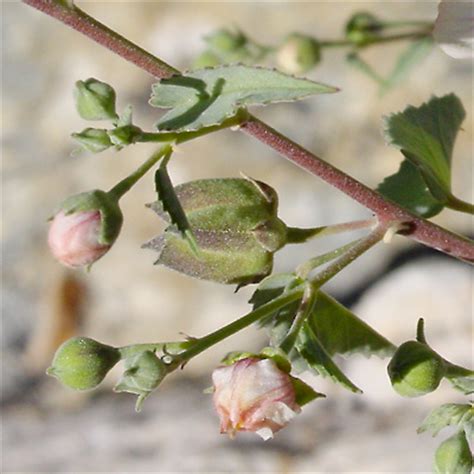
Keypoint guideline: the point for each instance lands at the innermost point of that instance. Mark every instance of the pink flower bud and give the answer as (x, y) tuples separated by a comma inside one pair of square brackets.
[(253, 395), (74, 238)]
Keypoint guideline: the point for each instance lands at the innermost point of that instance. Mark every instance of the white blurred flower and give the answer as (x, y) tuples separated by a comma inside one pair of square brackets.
[(454, 28), (253, 395)]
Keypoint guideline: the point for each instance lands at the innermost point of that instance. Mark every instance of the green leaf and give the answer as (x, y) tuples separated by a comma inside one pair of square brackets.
[(207, 97), (317, 358), (362, 66), (464, 384), (426, 136), (342, 332), (303, 392), (408, 188), (449, 414), (408, 59), (172, 206)]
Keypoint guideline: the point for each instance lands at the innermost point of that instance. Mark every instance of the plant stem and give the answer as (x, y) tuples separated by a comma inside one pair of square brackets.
[(213, 338), (296, 235), (347, 258), (306, 306), (421, 230), (134, 349), (387, 211), (307, 267), (460, 205), (124, 186), (380, 40)]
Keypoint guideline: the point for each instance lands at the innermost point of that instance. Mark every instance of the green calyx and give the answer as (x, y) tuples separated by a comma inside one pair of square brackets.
[(299, 53), (144, 372), (235, 224), (416, 369), (94, 140), (106, 204), (82, 363), (95, 100)]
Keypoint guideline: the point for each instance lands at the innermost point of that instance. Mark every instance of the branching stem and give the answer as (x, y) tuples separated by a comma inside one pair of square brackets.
[(386, 211)]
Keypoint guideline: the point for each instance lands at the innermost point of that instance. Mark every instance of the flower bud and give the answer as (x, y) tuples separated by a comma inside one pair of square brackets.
[(225, 41), (454, 29), (453, 456), (298, 54), (95, 100), (94, 140), (253, 395), (84, 228), (362, 28), (82, 363), (235, 224), (123, 136), (415, 369), (144, 372)]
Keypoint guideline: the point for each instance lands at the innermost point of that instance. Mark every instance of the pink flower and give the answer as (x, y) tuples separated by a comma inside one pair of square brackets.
[(253, 395), (74, 238), (454, 28)]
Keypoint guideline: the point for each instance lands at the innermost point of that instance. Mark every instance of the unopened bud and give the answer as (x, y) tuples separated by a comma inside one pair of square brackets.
[(254, 395), (94, 140), (416, 369), (144, 372), (362, 28), (82, 363), (225, 41), (84, 228), (235, 224), (95, 100), (298, 54), (453, 456), (123, 136)]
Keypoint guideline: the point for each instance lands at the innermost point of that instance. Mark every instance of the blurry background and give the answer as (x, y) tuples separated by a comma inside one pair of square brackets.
[(125, 299)]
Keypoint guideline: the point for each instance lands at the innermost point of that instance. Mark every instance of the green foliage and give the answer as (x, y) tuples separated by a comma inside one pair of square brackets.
[(449, 414), (235, 224), (82, 363), (207, 97), (144, 372), (330, 329), (408, 188), (172, 206), (426, 137)]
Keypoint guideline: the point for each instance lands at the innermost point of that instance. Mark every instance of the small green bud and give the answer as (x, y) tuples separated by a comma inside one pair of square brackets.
[(298, 54), (453, 456), (94, 140), (415, 369), (362, 28), (82, 363), (235, 224), (123, 136), (144, 372), (95, 100), (225, 41)]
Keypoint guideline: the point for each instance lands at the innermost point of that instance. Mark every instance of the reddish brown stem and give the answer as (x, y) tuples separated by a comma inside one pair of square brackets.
[(387, 212)]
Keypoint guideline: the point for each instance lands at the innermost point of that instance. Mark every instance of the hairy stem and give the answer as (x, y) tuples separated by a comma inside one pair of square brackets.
[(348, 257), (126, 184), (200, 345), (295, 235), (420, 230)]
